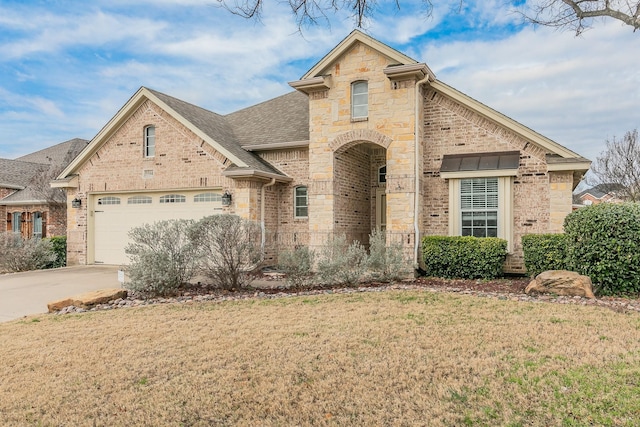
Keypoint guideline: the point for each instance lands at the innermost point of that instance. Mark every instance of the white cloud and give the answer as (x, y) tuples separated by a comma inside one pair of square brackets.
[(578, 91)]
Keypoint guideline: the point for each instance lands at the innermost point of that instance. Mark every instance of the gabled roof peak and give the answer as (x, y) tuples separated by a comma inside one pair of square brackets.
[(354, 37)]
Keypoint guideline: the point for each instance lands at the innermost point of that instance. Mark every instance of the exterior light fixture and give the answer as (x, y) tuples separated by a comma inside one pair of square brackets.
[(226, 199), (76, 203)]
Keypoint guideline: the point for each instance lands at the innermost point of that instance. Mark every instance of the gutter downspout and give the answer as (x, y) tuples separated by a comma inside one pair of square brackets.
[(263, 237), (416, 197)]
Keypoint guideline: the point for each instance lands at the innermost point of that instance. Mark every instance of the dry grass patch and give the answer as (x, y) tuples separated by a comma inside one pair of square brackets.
[(392, 358)]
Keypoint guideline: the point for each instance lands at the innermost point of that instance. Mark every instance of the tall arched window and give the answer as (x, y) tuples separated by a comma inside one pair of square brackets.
[(149, 141), (359, 100)]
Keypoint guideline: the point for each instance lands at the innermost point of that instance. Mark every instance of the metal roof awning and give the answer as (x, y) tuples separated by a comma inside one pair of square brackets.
[(501, 162)]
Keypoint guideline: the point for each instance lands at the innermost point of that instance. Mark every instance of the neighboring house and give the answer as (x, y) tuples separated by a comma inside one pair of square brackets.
[(28, 204), (601, 193), (370, 140)]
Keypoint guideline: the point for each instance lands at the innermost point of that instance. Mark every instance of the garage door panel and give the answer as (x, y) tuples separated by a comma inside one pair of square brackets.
[(112, 222)]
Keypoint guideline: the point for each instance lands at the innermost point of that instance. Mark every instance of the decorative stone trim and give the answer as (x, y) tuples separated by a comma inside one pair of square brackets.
[(353, 137)]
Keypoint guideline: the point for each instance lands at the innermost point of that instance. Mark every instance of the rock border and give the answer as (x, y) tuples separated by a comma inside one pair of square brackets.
[(622, 305)]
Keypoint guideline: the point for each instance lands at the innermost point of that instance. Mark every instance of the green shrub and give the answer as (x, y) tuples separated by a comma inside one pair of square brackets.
[(544, 252), (297, 265), (340, 263), (19, 254), (59, 248), (603, 242), (464, 257), (163, 257), (386, 263), (230, 249)]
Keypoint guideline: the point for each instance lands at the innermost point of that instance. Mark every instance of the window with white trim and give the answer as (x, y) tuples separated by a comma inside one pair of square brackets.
[(482, 207), (479, 207), (139, 200), (301, 202), (207, 197), (382, 174), (109, 200), (149, 141), (359, 100), (16, 221), (173, 198)]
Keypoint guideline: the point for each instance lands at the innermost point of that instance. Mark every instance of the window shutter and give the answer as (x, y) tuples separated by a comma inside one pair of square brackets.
[(44, 224)]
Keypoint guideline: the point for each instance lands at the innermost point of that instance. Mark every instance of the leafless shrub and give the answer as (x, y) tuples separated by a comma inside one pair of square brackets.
[(229, 248), (20, 254), (341, 263), (386, 263), (297, 264)]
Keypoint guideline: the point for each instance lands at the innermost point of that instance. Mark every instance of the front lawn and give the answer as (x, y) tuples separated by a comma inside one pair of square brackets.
[(385, 358)]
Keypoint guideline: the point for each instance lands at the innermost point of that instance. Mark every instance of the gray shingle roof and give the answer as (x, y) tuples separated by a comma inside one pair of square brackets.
[(22, 171), (17, 173), (217, 128), (282, 119), (60, 154)]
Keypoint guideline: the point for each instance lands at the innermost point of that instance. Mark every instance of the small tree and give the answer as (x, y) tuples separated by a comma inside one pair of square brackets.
[(230, 249), (21, 254), (163, 257), (617, 169)]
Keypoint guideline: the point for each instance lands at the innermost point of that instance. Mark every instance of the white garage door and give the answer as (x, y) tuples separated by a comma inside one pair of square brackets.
[(116, 214)]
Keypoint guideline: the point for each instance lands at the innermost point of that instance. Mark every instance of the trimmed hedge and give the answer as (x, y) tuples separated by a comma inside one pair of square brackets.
[(603, 242), (544, 252), (464, 257)]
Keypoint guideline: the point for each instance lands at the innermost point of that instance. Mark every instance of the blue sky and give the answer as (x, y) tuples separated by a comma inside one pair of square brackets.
[(66, 67)]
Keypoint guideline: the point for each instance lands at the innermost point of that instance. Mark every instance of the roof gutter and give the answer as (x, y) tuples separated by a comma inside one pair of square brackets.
[(252, 173), (11, 186)]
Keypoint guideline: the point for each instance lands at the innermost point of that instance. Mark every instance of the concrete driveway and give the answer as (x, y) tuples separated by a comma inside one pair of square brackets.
[(27, 293)]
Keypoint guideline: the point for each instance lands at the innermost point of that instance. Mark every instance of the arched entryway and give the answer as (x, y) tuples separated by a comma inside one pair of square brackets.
[(359, 181)]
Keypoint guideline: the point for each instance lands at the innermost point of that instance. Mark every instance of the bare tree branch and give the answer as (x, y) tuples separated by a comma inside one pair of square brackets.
[(310, 12), (578, 15), (617, 169)]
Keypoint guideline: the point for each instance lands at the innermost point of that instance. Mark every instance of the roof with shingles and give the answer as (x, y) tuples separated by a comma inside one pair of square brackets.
[(17, 173), (22, 171), (59, 154), (217, 127), (281, 119)]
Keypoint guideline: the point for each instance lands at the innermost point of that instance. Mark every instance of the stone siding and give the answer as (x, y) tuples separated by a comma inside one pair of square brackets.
[(335, 205)]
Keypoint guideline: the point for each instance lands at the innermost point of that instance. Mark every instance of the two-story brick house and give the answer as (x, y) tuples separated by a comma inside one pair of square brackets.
[(370, 139)]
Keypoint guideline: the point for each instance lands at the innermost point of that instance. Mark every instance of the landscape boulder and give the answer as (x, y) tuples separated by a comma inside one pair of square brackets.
[(88, 300), (561, 282)]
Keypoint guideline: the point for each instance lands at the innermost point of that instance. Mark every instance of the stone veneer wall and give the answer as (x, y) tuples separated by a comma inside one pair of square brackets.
[(390, 126), (450, 128)]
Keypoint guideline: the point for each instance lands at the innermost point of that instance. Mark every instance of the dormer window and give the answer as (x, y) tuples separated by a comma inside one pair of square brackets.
[(149, 141), (359, 100)]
